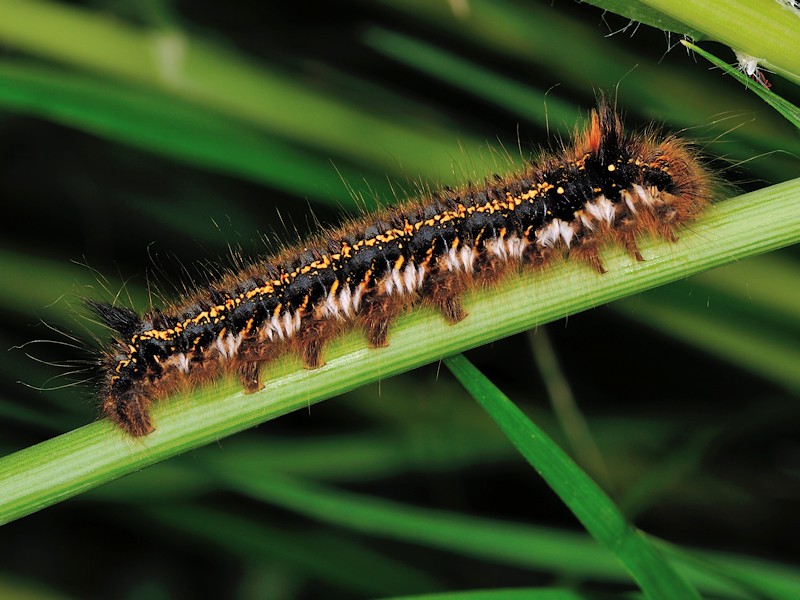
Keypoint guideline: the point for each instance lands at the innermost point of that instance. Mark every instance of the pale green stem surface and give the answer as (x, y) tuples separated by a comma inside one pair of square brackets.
[(57, 469)]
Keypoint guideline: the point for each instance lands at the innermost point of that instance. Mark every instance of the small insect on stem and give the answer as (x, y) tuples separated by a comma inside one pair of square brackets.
[(749, 66)]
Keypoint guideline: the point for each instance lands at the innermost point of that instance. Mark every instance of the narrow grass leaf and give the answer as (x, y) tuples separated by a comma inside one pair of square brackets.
[(519, 544), (593, 508), (491, 540), (219, 78), (197, 135), (769, 283), (528, 31), (784, 107), (772, 354), (517, 98), (733, 22), (510, 594), (757, 578), (323, 557)]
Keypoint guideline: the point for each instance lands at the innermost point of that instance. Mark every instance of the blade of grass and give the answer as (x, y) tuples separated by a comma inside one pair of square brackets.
[(681, 460), (749, 314), (528, 32), (351, 458), (773, 355), (219, 78), (85, 458), (642, 13), (508, 594), (518, 544), (760, 578), (513, 96), (324, 557), (770, 283), (784, 107), (565, 408), (592, 507), (196, 135), (496, 541), (731, 22)]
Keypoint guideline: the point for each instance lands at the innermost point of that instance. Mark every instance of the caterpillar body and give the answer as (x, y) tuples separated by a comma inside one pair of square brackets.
[(607, 186)]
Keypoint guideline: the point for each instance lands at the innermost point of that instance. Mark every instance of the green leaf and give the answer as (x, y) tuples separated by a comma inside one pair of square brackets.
[(593, 508), (764, 30), (784, 107), (526, 33), (158, 122), (203, 74), (649, 15), (508, 594), (768, 350), (322, 556), (565, 553)]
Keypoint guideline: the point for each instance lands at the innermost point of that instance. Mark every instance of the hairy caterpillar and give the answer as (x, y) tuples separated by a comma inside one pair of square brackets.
[(607, 186)]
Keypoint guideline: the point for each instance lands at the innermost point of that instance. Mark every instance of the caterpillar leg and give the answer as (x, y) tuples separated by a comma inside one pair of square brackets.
[(311, 342), (444, 293), (588, 252), (250, 376), (130, 412)]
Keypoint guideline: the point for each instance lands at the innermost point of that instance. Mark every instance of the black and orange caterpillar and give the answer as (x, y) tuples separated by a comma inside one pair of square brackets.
[(608, 186)]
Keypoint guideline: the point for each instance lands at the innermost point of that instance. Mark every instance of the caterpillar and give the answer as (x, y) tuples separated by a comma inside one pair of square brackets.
[(607, 186)]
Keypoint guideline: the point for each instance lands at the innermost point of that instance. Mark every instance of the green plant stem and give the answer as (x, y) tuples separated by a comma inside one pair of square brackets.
[(57, 469)]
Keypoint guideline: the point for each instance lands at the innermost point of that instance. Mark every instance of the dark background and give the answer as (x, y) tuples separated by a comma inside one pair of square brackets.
[(699, 447)]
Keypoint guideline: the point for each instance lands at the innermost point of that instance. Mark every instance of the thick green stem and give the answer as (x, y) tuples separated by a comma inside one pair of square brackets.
[(57, 469)]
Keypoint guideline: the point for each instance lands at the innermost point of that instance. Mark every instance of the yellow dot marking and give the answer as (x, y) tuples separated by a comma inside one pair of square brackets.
[(216, 314)]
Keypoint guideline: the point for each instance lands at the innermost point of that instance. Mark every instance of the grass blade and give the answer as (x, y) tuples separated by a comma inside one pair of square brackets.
[(593, 508), (784, 107), (566, 554)]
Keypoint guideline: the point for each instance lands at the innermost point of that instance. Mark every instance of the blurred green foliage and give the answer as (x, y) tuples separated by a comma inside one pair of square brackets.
[(141, 141)]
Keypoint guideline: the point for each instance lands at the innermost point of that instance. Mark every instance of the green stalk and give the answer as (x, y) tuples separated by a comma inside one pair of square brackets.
[(57, 469)]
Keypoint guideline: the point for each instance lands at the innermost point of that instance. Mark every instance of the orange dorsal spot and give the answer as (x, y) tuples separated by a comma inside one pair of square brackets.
[(594, 134)]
